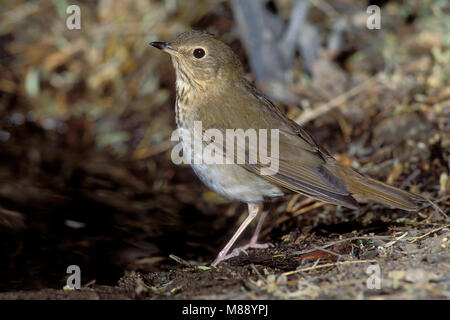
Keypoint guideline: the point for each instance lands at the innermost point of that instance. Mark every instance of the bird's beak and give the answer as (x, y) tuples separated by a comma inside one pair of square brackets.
[(164, 46)]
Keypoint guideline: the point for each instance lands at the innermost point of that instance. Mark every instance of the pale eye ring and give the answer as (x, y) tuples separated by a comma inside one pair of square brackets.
[(199, 53)]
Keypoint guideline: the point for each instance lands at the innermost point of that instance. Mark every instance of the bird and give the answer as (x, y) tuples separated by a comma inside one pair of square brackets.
[(211, 89)]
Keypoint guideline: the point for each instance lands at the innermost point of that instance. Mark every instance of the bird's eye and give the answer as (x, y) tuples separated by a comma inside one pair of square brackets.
[(199, 53)]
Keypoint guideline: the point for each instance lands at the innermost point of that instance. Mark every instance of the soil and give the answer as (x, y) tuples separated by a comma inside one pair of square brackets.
[(412, 271), (416, 266)]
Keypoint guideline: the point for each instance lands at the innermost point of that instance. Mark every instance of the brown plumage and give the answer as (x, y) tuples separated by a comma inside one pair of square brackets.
[(211, 88)]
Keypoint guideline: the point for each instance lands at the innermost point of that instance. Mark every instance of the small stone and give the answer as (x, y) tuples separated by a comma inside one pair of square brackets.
[(416, 276)]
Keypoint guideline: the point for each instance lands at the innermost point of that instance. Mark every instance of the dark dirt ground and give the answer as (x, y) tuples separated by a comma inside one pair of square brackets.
[(86, 177), (408, 271)]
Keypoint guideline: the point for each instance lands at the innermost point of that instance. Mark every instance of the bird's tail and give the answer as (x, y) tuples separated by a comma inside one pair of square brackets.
[(363, 185)]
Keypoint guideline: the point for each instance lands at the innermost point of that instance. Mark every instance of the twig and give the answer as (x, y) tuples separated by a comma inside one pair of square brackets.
[(257, 272), (179, 260), (326, 265), (309, 115), (292, 202), (428, 233), (344, 240), (340, 256), (435, 202), (390, 243), (436, 207), (296, 213), (308, 208)]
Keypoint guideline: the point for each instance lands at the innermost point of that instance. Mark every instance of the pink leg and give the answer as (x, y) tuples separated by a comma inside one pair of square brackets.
[(253, 211), (254, 240)]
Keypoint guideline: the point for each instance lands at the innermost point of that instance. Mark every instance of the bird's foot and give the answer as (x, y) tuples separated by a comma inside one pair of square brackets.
[(236, 252), (252, 245)]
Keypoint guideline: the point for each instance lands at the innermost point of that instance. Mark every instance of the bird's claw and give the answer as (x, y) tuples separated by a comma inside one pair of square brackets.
[(236, 252)]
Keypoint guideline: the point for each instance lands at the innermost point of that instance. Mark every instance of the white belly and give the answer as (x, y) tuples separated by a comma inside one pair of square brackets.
[(236, 183)]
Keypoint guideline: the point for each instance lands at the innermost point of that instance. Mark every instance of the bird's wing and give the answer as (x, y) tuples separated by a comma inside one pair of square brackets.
[(313, 181), (300, 163)]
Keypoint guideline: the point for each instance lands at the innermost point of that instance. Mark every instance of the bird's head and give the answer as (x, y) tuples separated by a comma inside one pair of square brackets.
[(200, 59)]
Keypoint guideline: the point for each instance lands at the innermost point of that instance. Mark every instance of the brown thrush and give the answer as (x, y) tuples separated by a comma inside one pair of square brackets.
[(211, 88)]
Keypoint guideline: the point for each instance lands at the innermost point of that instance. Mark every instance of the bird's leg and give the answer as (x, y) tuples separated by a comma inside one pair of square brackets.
[(254, 240), (253, 211)]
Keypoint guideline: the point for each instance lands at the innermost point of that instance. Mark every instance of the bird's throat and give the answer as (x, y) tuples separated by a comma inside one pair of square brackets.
[(184, 104)]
